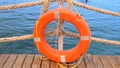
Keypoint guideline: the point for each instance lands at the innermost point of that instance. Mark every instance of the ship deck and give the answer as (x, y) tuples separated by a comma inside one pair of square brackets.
[(33, 61)]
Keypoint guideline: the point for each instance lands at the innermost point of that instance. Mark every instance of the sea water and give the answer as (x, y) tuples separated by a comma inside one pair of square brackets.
[(17, 22)]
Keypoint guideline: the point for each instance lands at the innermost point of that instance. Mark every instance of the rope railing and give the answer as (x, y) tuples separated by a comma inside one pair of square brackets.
[(96, 9), (22, 5), (28, 4), (99, 40), (17, 38)]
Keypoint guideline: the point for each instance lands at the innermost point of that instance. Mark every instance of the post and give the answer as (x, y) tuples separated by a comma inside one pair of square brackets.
[(60, 34)]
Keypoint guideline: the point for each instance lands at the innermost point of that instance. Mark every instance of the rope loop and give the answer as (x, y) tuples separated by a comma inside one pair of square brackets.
[(44, 58), (74, 66)]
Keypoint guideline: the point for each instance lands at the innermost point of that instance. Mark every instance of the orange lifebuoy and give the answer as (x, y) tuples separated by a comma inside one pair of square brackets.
[(56, 55)]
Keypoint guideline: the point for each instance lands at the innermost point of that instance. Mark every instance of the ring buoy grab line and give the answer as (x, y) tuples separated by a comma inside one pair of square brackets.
[(58, 55)]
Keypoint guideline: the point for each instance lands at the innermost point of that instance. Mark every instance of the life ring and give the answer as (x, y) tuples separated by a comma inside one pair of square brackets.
[(65, 55)]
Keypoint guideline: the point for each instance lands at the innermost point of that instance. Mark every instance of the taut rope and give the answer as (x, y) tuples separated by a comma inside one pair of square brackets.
[(22, 5), (16, 38)]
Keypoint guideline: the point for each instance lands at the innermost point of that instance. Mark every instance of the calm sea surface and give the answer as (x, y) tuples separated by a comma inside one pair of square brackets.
[(17, 22)]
